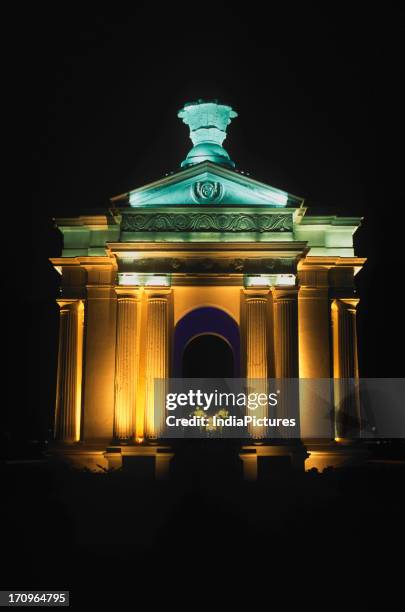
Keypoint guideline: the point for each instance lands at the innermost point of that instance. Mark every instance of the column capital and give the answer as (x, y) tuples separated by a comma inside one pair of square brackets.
[(128, 292), (349, 304), (313, 293), (284, 293), (256, 293), (157, 292), (67, 303)]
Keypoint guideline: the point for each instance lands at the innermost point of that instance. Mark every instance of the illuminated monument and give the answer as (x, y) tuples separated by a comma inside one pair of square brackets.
[(205, 250)]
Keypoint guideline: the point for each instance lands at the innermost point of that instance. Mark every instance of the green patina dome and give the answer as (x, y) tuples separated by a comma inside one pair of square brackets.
[(208, 151), (207, 121)]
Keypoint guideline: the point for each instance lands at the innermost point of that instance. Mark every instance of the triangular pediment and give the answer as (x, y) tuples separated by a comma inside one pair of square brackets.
[(208, 183)]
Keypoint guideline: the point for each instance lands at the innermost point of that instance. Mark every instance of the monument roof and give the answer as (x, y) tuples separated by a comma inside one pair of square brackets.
[(207, 175), (208, 183)]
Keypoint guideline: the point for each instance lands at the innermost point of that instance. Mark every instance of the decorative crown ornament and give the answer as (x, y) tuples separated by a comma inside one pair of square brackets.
[(207, 122)]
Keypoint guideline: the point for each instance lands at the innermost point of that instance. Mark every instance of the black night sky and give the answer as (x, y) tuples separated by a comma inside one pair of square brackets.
[(97, 100), (317, 95), (95, 94)]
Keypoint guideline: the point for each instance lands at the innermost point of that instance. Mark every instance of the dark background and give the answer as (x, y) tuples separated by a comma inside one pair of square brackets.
[(95, 94)]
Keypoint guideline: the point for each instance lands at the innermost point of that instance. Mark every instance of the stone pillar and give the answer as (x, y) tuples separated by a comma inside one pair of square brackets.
[(285, 332), (126, 365), (316, 406), (285, 320), (256, 334), (256, 308), (69, 377), (99, 371), (345, 368), (313, 332), (157, 359)]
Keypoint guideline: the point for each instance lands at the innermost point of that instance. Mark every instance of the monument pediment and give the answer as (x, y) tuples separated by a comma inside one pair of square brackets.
[(207, 183), (209, 201)]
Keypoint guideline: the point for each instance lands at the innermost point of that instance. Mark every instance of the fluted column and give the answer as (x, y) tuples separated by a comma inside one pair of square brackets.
[(99, 356), (126, 365), (285, 321), (69, 376), (316, 414), (285, 332), (157, 360), (313, 326), (256, 309), (345, 368)]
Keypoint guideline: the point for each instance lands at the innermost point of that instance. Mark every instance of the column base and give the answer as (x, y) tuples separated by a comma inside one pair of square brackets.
[(259, 461), (265, 460), (335, 454), (145, 461), (80, 456)]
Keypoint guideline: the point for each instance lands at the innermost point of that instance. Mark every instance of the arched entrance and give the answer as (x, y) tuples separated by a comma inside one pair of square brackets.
[(202, 337), (208, 356), (206, 345)]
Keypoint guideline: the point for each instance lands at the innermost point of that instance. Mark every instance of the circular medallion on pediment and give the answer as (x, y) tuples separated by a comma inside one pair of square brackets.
[(207, 192)]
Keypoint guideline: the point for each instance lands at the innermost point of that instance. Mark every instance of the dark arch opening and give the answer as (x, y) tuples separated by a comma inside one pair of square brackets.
[(203, 321), (206, 345), (208, 356)]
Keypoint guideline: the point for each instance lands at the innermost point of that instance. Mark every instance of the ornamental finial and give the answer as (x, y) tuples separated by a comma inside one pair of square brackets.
[(207, 121)]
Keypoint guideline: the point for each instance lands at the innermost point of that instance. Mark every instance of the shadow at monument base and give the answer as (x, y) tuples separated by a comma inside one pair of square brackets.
[(99, 534), (212, 461), (206, 461)]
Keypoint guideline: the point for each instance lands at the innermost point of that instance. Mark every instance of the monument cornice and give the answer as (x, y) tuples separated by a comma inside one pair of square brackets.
[(101, 220), (106, 261), (278, 248), (333, 261)]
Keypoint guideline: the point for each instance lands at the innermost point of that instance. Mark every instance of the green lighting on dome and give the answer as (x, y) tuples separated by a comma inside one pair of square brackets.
[(207, 122)]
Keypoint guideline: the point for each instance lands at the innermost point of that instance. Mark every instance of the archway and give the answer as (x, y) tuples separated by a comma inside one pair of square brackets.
[(206, 345), (208, 356), (208, 327)]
